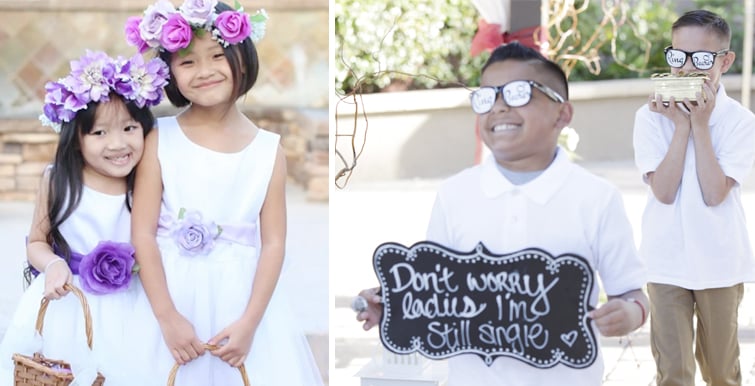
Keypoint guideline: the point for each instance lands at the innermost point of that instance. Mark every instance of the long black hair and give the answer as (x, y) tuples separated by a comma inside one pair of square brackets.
[(66, 175), (242, 58)]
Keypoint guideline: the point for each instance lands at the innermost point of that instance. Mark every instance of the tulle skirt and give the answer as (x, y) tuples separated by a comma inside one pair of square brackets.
[(212, 291), (64, 337)]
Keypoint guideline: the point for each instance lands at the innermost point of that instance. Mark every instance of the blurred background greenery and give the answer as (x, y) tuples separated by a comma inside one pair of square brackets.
[(390, 45)]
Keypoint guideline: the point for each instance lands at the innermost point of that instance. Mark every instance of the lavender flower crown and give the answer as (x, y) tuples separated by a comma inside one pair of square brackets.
[(164, 27), (94, 76)]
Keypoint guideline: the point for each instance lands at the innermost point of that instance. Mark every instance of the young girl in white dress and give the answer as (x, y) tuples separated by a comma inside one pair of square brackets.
[(80, 230), (209, 219)]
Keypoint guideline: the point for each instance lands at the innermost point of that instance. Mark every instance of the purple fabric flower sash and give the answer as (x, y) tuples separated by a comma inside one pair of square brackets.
[(106, 269), (75, 262), (193, 236)]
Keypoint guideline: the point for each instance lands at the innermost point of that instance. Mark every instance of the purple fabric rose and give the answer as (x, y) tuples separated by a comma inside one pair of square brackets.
[(107, 268), (193, 236), (176, 33), (134, 36), (233, 26)]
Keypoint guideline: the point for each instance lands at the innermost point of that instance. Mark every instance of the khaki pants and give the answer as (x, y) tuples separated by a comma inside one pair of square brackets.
[(716, 344)]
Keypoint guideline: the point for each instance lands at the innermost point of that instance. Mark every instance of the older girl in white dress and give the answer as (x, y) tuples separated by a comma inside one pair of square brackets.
[(209, 221)]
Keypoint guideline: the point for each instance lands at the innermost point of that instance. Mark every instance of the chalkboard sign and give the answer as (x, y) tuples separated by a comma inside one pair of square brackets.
[(526, 305)]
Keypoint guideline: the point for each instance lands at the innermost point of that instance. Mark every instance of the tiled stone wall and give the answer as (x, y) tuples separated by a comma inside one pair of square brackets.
[(38, 38)]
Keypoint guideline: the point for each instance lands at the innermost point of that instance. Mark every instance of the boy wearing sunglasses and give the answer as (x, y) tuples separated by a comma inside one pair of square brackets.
[(694, 156), (529, 194)]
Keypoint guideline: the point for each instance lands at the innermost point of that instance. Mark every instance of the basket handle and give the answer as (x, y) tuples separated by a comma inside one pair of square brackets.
[(84, 306), (174, 370)]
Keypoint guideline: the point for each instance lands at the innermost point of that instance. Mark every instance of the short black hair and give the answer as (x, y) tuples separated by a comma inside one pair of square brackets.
[(706, 19), (517, 51), (242, 58)]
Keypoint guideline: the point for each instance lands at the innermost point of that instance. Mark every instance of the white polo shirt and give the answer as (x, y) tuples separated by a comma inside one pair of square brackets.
[(564, 210), (687, 243)]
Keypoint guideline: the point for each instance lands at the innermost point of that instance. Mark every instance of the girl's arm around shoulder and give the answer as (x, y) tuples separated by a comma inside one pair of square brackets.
[(146, 202), (144, 217), (39, 252), (178, 332)]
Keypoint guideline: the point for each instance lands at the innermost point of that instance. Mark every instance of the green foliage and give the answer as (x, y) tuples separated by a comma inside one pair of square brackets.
[(733, 11), (648, 24), (636, 49), (416, 44), (404, 44)]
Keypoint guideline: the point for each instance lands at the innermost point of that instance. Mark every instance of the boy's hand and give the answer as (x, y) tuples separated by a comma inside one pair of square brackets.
[(181, 339), (233, 343), (617, 317), (371, 315), (56, 277), (706, 101), (671, 111)]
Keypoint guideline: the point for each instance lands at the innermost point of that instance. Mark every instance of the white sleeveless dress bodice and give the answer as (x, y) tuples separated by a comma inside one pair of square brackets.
[(98, 217)]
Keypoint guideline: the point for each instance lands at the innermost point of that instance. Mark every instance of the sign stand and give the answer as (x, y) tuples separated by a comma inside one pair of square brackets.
[(391, 369)]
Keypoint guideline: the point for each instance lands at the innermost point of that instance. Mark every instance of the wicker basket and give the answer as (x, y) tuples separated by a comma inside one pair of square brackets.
[(40, 371), (174, 370)]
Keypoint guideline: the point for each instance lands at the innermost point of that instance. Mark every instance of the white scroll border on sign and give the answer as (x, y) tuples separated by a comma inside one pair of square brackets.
[(481, 254)]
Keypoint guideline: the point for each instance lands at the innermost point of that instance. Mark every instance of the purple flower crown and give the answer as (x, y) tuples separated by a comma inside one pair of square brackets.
[(164, 27), (94, 76)]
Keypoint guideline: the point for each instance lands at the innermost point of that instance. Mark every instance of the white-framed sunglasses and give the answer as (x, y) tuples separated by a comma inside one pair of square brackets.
[(516, 93), (702, 60)]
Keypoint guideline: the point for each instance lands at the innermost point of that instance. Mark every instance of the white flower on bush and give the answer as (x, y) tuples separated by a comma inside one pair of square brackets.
[(569, 138)]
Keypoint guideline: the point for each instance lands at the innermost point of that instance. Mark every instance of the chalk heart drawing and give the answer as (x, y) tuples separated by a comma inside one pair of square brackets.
[(569, 337), (527, 305)]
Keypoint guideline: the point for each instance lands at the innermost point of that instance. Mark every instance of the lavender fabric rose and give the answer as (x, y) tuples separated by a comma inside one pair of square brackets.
[(193, 236), (199, 12), (151, 26), (176, 33), (133, 35), (233, 26), (107, 268)]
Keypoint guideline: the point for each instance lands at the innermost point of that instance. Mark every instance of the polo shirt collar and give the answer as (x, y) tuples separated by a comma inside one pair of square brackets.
[(539, 190)]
